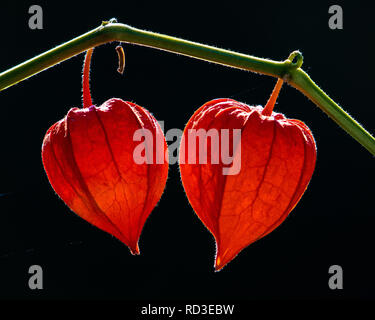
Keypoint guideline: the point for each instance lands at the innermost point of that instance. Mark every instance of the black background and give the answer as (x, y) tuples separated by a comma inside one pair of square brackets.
[(332, 224)]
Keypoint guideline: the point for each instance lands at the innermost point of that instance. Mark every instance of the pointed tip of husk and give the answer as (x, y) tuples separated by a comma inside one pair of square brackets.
[(134, 249), (221, 260)]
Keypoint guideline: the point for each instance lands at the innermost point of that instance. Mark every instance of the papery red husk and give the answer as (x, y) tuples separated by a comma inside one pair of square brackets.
[(277, 157), (88, 157)]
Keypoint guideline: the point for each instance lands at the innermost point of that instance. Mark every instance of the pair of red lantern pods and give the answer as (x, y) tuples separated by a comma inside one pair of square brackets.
[(88, 157)]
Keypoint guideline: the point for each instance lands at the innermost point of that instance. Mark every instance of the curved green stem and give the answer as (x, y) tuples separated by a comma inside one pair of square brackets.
[(288, 70), (301, 81), (108, 32)]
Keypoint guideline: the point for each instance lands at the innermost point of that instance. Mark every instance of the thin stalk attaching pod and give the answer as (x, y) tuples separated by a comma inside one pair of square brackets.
[(86, 95), (267, 111)]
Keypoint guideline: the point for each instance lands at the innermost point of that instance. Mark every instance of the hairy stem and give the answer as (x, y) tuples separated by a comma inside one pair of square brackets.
[(287, 70)]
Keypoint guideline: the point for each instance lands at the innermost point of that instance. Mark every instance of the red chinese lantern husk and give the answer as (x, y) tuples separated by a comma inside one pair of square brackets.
[(277, 159), (89, 161)]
